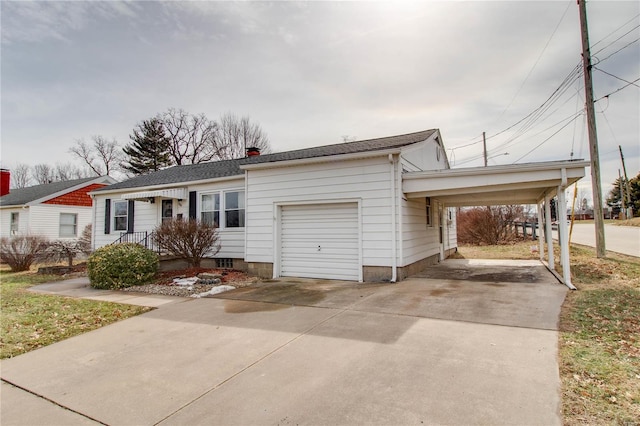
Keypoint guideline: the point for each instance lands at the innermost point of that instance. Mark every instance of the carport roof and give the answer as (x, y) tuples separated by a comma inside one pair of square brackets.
[(511, 184)]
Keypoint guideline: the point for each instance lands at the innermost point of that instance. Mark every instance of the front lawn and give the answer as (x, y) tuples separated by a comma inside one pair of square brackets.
[(30, 321), (599, 339)]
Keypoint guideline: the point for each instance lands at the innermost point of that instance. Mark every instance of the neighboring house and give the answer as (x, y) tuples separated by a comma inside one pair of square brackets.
[(56, 210), (334, 212)]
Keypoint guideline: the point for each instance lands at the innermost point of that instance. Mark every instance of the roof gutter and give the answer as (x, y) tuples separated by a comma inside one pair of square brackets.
[(322, 159), (166, 185)]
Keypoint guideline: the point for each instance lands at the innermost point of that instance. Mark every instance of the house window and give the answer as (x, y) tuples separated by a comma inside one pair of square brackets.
[(234, 209), (68, 225), (210, 209), (167, 210), (15, 222), (428, 212), (120, 215)]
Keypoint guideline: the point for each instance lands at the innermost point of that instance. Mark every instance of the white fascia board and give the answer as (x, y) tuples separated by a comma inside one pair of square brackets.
[(167, 185), (493, 170), (100, 179), (323, 159)]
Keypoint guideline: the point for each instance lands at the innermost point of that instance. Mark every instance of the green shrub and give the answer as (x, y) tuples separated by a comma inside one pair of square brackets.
[(121, 265)]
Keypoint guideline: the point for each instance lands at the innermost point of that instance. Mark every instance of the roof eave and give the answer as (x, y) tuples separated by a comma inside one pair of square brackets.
[(165, 186), (323, 159)]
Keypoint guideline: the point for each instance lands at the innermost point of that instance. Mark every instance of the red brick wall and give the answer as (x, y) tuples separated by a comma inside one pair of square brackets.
[(76, 198)]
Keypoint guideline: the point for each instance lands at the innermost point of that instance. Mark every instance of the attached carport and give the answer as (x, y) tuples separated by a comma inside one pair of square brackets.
[(531, 183)]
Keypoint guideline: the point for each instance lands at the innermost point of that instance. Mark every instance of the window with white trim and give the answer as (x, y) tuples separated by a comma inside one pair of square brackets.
[(15, 223), (210, 209), (234, 209), (120, 215), (428, 211), (68, 225)]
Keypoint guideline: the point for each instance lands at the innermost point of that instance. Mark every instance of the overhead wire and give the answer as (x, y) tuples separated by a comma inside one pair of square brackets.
[(614, 76), (547, 139), (614, 31)]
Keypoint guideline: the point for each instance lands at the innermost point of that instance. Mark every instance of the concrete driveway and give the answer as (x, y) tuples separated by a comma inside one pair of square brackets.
[(429, 350)]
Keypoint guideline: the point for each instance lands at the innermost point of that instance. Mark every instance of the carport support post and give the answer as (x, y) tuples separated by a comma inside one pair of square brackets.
[(547, 232), (563, 237), (540, 231)]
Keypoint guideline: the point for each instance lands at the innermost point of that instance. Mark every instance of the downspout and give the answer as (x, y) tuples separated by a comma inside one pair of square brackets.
[(246, 213), (394, 244)]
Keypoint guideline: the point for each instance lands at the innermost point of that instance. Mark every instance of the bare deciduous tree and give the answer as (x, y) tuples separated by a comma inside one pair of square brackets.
[(487, 225), (234, 135), (43, 173), (20, 176), (192, 137), (68, 171), (103, 157)]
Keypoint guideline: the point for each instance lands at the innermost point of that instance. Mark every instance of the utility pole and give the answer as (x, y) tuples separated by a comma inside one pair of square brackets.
[(626, 185), (484, 144), (622, 203), (593, 135)]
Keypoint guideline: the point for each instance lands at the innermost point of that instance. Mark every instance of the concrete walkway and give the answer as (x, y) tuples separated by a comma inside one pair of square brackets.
[(79, 287), (366, 355)]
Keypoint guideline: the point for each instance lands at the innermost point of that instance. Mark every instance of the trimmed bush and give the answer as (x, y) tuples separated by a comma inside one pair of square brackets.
[(121, 265)]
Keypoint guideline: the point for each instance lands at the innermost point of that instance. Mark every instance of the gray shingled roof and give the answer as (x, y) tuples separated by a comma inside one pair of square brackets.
[(225, 168), (18, 197)]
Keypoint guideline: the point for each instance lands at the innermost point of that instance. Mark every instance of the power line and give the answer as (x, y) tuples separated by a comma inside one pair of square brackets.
[(616, 91), (614, 31), (546, 140), (622, 48), (621, 79), (537, 60), (618, 39)]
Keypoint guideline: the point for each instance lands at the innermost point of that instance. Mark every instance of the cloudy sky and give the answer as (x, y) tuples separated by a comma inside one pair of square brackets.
[(312, 73)]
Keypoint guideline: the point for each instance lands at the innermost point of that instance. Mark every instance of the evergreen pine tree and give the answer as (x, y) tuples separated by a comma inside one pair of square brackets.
[(149, 150)]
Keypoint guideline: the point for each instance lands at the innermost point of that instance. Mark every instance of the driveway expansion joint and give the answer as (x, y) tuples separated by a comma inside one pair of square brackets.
[(52, 401)]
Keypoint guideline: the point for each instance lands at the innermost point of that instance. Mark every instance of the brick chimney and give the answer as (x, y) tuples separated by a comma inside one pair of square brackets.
[(5, 179), (253, 151)]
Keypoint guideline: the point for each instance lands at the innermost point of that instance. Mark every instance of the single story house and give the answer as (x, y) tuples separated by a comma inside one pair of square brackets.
[(333, 212), (372, 210), (58, 210)]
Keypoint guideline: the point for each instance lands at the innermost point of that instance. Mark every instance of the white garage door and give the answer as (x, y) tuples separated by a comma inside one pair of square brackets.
[(320, 241)]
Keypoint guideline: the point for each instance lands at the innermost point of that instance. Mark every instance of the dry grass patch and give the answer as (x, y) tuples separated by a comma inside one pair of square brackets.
[(599, 345), (30, 321)]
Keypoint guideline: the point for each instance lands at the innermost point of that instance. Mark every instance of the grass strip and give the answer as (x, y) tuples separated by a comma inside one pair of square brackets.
[(30, 321)]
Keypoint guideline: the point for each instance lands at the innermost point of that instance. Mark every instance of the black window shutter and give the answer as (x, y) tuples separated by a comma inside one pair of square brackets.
[(192, 205), (130, 216), (107, 216)]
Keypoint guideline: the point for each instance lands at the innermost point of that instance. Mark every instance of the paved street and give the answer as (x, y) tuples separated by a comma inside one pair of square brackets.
[(621, 239)]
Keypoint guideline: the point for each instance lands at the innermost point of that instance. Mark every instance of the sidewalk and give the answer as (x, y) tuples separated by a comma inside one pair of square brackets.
[(80, 288)]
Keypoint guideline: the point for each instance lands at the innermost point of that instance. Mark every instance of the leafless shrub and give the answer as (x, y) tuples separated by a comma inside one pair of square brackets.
[(84, 242), (64, 250), (22, 251), (191, 239), (487, 225)]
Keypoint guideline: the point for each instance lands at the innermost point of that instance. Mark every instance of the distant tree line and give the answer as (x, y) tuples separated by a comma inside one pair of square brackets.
[(630, 193), (171, 138)]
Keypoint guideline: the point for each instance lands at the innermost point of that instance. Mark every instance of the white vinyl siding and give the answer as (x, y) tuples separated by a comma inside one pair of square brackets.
[(44, 219), (320, 241), (366, 180), (149, 215)]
